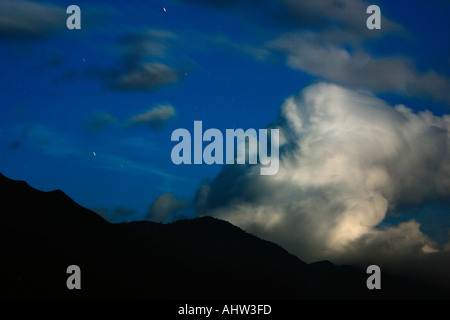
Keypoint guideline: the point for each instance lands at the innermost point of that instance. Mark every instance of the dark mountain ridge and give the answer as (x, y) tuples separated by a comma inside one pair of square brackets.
[(43, 233)]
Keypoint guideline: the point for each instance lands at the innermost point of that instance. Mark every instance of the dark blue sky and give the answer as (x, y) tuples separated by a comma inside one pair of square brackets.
[(69, 94)]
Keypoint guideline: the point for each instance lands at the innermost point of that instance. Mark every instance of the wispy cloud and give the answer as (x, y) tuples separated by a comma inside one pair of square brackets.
[(21, 19), (327, 39), (98, 121), (155, 117), (145, 76), (48, 141), (115, 162), (348, 18), (309, 53), (147, 62)]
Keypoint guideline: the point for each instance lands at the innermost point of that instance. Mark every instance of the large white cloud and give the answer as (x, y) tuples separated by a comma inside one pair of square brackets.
[(347, 158)]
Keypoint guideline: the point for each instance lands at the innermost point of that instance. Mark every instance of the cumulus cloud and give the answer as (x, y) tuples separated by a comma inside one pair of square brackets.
[(164, 207), (156, 117), (389, 243), (403, 249), (20, 19), (346, 160)]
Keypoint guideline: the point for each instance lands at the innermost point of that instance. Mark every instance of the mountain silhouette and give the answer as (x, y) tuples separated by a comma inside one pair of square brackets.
[(42, 233)]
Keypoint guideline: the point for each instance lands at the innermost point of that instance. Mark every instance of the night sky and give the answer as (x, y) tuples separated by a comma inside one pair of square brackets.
[(363, 114)]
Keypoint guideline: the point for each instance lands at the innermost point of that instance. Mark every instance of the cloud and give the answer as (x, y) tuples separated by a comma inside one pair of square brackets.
[(22, 19), (164, 207), (150, 42), (432, 85), (147, 62), (98, 121), (156, 117), (48, 141), (406, 239), (346, 160), (44, 140), (347, 16), (155, 58), (326, 39), (118, 214), (309, 53), (146, 76)]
